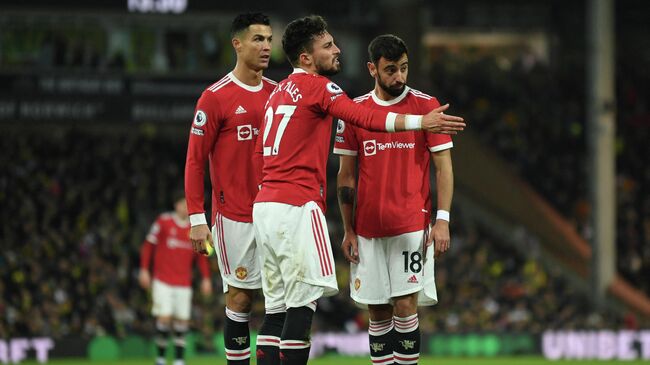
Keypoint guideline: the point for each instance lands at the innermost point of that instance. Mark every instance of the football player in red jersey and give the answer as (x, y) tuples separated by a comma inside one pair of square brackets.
[(288, 214), (226, 125), (171, 288), (393, 208)]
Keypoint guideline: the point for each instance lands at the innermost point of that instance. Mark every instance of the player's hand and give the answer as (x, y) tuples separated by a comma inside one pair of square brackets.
[(198, 235), (439, 122), (439, 236), (350, 247), (144, 278), (206, 287)]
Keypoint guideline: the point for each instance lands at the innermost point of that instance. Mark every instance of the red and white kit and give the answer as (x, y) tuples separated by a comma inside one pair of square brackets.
[(295, 147), (226, 125), (169, 246), (393, 200)]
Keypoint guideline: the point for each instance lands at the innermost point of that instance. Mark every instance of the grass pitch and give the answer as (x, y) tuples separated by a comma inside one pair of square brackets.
[(340, 360)]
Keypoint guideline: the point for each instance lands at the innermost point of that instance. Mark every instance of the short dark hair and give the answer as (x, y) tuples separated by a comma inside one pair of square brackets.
[(243, 21), (389, 46), (299, 36)]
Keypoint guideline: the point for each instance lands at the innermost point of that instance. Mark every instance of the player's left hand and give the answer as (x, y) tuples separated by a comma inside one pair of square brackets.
[(206, 287), (439, 237), (350, 247)]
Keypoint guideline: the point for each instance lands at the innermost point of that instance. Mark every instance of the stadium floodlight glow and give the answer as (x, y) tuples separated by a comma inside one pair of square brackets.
[(157, 6)]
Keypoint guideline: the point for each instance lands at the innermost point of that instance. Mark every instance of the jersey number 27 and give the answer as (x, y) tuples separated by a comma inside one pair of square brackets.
[(286, 111)]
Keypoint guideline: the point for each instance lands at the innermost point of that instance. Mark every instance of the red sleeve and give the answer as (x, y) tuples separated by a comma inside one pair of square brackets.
[(345, 142), (204, 266), (148, 245), (333, 100), (258, 157), (145, 255), (203, 134), (435, 142)]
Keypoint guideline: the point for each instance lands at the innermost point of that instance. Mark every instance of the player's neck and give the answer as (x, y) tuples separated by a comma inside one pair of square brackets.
[(246, 75), (181, 219), (308, 69), (382, 94)]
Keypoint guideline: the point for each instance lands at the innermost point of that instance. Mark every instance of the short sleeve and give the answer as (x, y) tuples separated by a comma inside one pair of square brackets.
[(345, 142), (154, 232), (436, 142)]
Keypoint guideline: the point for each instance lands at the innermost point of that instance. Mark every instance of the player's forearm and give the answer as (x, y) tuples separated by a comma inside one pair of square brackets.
[(194, 188), (346, 196), (372, 119), (444, 181), (145, 255)]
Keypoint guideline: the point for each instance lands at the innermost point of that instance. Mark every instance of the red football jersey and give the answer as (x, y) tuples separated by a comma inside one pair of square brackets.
[(226, 124), (169, 240), (393, 190), (296, 137)]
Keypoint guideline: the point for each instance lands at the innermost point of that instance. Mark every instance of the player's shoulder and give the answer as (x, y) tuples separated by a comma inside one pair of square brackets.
[(320, 81), (217, 88), (268, 82), (165, 217), (421, 96), (268, 85), (363, 98)]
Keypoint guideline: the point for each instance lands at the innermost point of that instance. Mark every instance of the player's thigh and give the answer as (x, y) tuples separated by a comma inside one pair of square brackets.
[(306, 257), (162, 297), (182, 302), (267, 228), (370, 278), (236, 253), (406, 263)]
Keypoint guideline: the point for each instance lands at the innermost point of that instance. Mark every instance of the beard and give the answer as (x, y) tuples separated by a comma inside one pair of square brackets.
[(394, 91), (328, 70)]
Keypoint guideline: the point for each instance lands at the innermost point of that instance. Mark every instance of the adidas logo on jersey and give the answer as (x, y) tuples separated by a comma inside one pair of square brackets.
[(413, 280), (240, 110)]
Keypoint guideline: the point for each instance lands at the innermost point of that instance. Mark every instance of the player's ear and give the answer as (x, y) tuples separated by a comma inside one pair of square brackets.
[(372, 69), (236, 44), (305, 59)]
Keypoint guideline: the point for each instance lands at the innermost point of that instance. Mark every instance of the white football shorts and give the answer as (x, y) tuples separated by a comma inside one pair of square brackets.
[(297, 262), (390, 267), (237, 255), (171, 301)]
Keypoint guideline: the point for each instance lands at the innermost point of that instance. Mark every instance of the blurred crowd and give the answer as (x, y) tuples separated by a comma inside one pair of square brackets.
[(88, 45), (534, 116), (77, 204)]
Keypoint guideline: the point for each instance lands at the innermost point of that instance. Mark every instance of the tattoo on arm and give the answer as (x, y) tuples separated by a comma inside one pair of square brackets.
[(346, 194)]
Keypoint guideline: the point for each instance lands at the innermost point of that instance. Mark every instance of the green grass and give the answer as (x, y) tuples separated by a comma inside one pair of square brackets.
[(339, 360)]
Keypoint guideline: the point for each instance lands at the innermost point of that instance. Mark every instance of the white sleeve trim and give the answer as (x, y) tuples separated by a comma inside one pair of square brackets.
[(198, 219), (441, 147), (342, 151)]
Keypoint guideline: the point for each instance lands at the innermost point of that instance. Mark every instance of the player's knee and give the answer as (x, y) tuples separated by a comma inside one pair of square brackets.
[(163, 323), (380, 312), (297, 325), (406, 305), (239, 300), (181, 327)]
